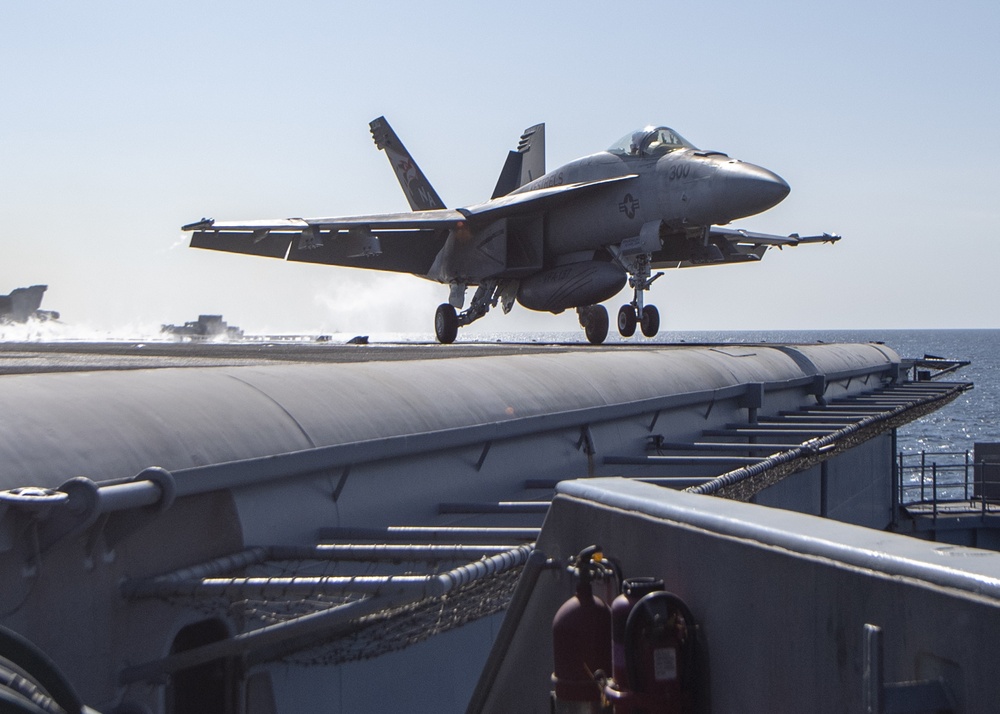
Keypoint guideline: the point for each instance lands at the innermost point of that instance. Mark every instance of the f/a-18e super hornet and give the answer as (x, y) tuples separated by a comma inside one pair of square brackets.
[(551, 240)]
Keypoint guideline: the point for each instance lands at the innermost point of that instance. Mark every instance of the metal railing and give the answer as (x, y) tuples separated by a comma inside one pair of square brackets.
[(942, 477)]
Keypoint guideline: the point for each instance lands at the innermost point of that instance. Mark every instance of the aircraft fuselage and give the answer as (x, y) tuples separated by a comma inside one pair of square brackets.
[(683, 189)]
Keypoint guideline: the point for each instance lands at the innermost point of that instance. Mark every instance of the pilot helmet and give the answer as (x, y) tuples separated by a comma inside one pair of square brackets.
[(635, 147)]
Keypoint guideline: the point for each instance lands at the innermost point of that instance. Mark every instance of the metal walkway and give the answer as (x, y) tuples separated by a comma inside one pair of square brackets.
[(741, 459)]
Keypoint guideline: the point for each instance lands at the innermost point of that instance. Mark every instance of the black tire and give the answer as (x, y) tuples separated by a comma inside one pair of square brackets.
[(650, 321), (597, 324), (626, 320), (446, 324)]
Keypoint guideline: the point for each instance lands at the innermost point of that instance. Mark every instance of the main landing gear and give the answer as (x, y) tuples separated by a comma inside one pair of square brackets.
[(594, 320), (448, 319), (446, 323)]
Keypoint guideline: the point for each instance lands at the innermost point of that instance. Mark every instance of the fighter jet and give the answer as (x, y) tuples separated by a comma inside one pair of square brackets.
[(549, 240)]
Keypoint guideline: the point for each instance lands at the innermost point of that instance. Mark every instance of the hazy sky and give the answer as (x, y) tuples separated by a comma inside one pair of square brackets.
[(123, 121)]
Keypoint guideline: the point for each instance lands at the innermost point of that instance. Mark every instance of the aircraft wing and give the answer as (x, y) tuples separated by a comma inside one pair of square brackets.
[(443, 218), (432, 219), (396, 242)]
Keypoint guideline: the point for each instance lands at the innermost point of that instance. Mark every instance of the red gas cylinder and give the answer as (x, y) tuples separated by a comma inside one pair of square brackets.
[(581, 645), (633, 589), (659, 658)]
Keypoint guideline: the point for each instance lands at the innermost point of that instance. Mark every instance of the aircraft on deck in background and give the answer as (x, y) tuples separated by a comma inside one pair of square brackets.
[(566, 238)]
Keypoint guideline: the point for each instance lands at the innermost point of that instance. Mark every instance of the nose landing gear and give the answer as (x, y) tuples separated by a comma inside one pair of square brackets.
[(648, 320), (627, 320), (640, 278), (646, 316)]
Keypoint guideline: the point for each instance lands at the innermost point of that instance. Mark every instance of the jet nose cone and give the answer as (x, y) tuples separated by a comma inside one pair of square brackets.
[(746, 189)]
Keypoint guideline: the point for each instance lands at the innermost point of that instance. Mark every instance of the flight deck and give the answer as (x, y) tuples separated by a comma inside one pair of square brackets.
[(34, 357), (31, 357)]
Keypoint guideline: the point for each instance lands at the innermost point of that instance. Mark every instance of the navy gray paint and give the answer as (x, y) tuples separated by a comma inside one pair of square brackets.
[(850, 618), (282, 456), (569, 238)]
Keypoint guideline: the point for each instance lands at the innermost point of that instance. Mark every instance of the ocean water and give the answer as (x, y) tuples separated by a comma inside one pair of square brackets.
[(973, 417)]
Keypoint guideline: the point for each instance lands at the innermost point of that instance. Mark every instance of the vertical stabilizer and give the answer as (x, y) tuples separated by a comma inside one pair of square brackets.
[(532, 150), (419, 193), (524, 165), (510, 175)]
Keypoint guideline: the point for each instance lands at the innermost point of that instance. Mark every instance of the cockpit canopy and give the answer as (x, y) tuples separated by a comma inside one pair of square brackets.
[(650, 141)]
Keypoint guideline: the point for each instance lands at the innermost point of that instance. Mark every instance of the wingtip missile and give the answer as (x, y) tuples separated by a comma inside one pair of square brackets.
[(825, 238), (203, 225)]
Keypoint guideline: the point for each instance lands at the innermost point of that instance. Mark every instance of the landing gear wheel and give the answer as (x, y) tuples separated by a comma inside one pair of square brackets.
[(446, 324), (596, 325), (650, 322), (626, 320)]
